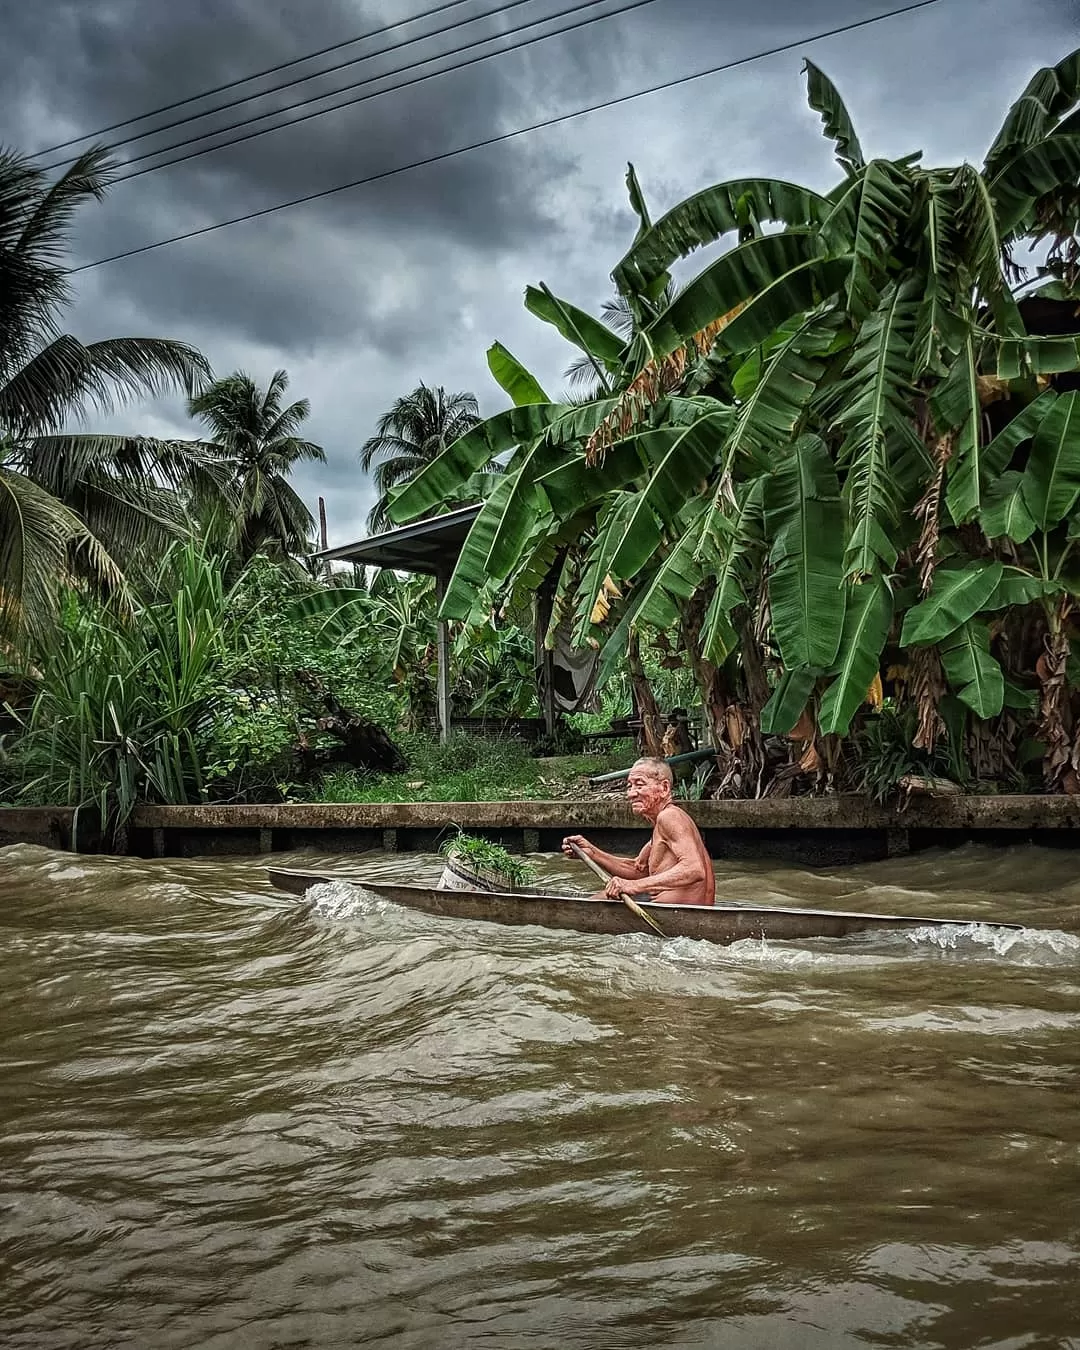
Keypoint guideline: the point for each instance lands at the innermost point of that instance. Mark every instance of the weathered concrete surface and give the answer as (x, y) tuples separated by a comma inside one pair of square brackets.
[(808, 813), (818, 831), (49, 826)]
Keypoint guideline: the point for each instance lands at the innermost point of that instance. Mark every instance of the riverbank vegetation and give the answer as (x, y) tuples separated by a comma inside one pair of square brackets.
[(823, 489)]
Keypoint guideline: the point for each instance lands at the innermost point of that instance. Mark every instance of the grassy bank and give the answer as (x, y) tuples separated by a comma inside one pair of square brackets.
[(472, 769)]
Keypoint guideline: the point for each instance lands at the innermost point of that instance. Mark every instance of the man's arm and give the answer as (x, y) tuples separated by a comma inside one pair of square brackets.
[(627, 868), (680, 835)]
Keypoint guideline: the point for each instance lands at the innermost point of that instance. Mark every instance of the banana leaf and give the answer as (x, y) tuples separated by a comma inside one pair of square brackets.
[(774, 393), (438, 481), (972, 671), (823, 97), (788, 701), (1005, 514), (958, 593), (706, 217), (867, 619), (734, 278), (511, 376), (875, 409), (1031, 173), (729, 550), (1051, 481), (804, 518), (796, 292), (589, 335), (997, 455), (681, 462), (1050, 93)]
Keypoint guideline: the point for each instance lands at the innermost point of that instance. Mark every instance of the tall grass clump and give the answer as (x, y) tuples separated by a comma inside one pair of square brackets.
[(125, 695)]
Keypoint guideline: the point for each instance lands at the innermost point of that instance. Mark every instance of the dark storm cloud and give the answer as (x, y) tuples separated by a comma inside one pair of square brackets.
[(362, 294)]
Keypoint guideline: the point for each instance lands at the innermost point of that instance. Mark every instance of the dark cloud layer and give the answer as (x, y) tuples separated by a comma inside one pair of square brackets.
[(362, 294)]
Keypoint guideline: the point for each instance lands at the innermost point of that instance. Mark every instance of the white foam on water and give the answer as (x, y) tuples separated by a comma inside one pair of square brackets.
[(1028, 946), (343, 900)]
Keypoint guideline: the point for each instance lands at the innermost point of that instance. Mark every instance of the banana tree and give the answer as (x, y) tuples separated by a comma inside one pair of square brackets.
[(789, 458)]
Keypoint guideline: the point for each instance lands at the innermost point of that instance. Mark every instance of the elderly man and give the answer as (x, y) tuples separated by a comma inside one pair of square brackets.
[(673, 868)]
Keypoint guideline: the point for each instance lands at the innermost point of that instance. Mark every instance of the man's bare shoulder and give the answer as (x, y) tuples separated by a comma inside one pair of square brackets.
[(674, 820)]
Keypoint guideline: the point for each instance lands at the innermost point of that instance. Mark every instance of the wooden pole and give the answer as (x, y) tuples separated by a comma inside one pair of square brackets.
[(442, 684), (322, 524)]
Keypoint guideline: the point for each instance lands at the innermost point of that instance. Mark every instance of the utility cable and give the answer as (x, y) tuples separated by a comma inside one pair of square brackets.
[(289, 84), (247, 79), (576, 8), (504, 136)]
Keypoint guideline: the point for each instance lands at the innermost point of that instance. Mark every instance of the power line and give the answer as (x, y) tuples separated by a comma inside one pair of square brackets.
[(289, 84), (503, 137), (247, 79), (575, 8)]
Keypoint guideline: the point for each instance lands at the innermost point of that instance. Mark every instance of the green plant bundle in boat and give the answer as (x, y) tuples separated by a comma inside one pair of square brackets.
[(479, 865)]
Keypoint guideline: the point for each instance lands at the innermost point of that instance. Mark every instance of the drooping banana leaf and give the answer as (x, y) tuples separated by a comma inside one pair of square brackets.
[(788, 701), (1022, 357), (469, 581), (676, 578), (681, 462), (804, 519), (939, 330), (867, 619), (797, 292), (1018, 588), (956, 408), (575, 483), (1005, 514), (520, 510), (589, 335), (997, 455), (1030, 174), (598, 589), (730, 548), (734, 278), (958, 593), (1051, 481), (511, 376), (706, 217), (773, 400), (439, 480), (972, 671), (1049, 95), (879, 212), (823, 97), (881, 441)]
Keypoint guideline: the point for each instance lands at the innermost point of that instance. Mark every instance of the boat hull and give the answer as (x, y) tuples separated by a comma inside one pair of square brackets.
[(709, 923)]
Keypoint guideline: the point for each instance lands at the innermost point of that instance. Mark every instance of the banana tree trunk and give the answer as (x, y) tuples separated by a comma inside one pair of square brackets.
[(651, 735), (1055, 718)]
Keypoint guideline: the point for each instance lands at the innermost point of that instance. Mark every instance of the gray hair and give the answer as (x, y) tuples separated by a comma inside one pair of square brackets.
[(659, 768)]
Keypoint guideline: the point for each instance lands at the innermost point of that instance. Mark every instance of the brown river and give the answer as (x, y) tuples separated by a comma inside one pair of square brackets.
[(236, 1120)]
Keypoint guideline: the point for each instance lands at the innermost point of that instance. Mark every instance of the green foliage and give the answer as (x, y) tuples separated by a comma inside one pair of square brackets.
[(886, 755), (483, 856), (124, 701)]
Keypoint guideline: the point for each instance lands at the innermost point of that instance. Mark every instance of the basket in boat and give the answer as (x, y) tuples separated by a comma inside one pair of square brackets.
[(459, 875)]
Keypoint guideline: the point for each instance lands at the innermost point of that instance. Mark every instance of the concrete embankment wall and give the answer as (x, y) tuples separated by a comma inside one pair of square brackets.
[(809, 830)]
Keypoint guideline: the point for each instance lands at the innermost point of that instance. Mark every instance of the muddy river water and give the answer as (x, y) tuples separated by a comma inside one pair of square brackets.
[(234, 1119)]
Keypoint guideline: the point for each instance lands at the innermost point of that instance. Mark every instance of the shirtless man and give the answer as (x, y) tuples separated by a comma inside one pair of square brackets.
[(674, 867)]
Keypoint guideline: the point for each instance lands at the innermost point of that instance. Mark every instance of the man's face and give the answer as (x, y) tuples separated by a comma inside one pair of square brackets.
[(646, 792)]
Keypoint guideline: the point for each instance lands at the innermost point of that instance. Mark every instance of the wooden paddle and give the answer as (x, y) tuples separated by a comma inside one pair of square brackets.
[(630, 903)]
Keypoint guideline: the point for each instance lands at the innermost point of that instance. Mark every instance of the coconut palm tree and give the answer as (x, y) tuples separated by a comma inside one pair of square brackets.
[(257, 439), (71, 503), (416, 429)]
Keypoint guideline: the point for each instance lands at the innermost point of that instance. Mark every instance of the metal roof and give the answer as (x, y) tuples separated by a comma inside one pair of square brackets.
[(429, 546)]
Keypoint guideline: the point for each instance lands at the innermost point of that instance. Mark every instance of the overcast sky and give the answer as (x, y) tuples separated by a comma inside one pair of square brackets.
[(362, 295)]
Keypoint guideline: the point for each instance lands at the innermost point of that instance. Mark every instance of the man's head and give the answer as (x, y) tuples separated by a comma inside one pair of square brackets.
[(648, 789)]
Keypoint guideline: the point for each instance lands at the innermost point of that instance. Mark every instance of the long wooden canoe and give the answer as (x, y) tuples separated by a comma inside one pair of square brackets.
[(712, 923)]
